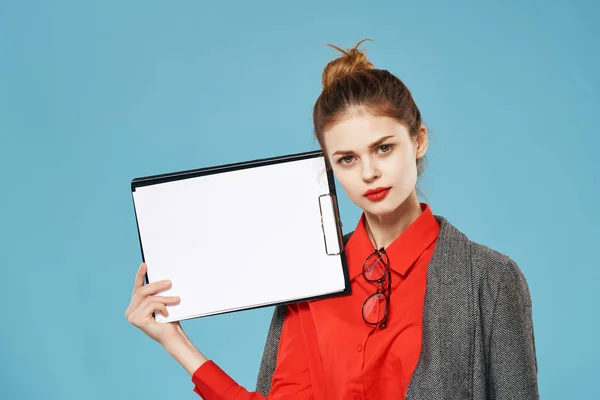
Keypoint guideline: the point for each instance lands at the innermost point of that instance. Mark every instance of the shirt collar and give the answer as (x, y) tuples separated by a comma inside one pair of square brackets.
[(402, 252)]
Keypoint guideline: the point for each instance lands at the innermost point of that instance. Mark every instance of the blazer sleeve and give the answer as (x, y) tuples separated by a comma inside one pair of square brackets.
[(290, 380), (513, 363)]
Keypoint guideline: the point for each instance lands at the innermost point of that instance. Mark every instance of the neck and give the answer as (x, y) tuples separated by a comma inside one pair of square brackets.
[(383, 230)]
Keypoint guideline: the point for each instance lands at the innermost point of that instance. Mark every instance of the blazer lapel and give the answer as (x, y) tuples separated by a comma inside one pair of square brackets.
[(445, 362)]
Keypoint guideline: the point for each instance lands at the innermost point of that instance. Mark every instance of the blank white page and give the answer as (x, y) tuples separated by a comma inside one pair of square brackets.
[(241, 239)]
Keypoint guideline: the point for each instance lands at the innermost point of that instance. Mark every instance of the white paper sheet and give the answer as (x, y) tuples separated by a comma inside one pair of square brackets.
[(241, 239)]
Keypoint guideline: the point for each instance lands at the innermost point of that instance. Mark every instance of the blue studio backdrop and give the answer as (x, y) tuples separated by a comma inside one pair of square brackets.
[(93, 94)]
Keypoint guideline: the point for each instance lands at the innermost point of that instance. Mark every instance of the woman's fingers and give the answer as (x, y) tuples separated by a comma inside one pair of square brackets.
[(153, 288), (141, 291), (139, 278), (157, 303), (156, 306), (158, 299), (148, 290), (165, 299), (143, 310), (142, 315)]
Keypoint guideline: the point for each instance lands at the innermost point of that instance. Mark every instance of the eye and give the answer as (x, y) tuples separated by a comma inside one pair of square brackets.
[(385, 148), (345, 160)]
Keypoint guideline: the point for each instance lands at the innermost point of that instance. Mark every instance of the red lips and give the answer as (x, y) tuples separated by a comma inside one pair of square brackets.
[(377, 193)]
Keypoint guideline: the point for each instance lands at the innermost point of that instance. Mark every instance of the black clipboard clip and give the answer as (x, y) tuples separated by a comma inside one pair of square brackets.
[(330, 225)]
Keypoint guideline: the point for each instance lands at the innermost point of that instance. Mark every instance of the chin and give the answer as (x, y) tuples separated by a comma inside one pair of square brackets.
[(380, 209)]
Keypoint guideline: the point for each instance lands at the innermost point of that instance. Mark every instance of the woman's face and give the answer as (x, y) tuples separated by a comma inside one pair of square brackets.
[(369, 153)]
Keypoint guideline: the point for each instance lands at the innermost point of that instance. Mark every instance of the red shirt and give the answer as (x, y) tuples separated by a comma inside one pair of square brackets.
[(327, 351)]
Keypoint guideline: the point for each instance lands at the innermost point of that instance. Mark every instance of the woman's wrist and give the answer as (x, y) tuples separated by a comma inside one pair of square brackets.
[(185, 353)]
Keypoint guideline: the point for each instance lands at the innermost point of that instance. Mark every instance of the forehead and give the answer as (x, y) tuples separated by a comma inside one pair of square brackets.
[(357, 131)]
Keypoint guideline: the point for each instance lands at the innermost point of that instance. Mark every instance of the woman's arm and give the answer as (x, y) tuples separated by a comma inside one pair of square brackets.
[(291, 379), (513, 363), (184, 352)]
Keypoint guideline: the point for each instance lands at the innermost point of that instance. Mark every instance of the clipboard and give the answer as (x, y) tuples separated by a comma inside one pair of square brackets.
[(242, 236)]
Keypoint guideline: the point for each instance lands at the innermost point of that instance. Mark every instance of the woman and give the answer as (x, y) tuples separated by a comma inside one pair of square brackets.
[(432, 315)]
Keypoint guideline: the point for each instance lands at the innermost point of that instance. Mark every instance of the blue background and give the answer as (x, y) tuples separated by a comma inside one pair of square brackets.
[(93, 94)]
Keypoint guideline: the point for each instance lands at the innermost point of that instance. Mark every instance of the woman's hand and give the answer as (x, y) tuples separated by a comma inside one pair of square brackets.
[(144, 302)]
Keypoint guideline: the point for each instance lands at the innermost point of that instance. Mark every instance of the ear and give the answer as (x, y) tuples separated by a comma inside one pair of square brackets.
[(422, 141)]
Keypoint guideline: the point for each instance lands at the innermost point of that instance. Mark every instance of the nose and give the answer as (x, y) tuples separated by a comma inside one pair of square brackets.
[(369, 171)]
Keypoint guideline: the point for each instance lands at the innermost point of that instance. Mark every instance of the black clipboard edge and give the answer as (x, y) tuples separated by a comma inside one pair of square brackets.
[(192, 173)]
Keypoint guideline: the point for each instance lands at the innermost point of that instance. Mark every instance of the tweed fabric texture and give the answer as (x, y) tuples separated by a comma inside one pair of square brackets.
[(478, 340)]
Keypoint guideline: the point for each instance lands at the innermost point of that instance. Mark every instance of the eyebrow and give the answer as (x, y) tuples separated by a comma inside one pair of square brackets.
[(371, 146)]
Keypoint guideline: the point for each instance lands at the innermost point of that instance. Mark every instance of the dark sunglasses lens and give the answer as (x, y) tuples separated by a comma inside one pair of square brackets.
[(375, 266), (374, 308)]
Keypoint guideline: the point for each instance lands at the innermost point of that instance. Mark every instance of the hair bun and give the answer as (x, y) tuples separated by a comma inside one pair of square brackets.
[(353, 60)]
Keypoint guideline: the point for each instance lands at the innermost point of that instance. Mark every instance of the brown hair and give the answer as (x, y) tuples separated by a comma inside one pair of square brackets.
[(351, 84)]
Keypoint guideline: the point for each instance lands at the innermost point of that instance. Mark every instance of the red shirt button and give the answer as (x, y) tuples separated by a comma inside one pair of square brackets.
[(359, 348)]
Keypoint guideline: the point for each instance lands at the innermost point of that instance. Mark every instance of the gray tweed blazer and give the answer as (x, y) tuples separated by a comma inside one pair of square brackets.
[(478, 340)]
